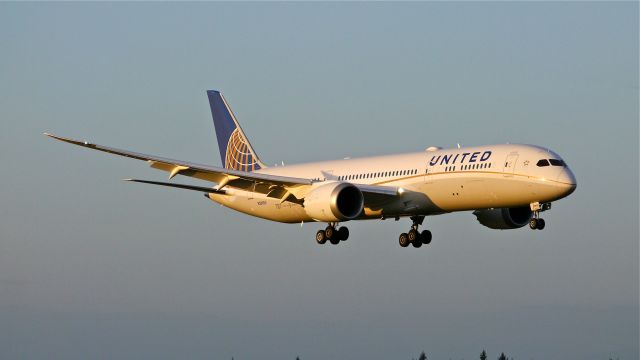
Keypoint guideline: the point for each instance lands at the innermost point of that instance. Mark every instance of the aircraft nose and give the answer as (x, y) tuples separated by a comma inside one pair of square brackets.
[(567, 178)]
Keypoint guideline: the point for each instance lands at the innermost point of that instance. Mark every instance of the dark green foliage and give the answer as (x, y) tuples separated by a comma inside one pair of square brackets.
[(423, 356), (502, 357), (483, 355)]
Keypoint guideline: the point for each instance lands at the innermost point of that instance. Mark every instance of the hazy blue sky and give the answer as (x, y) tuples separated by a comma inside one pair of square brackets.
[(92, 267)]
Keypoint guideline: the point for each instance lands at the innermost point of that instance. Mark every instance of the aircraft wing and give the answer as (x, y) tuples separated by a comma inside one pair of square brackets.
[(276, 186)]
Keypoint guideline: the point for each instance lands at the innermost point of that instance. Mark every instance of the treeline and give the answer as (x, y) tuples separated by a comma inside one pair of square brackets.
[(483, 356)]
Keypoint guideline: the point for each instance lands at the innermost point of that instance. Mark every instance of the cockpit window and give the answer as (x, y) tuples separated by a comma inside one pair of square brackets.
[(556, 162), (542, 162)]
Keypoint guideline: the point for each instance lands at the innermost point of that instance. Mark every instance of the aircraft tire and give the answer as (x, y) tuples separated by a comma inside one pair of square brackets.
[(426, 237), (321, 238), (533, 223), (413, 235), (343, 233), (330, 232), (540, 224), (417, 243), (404, 240)]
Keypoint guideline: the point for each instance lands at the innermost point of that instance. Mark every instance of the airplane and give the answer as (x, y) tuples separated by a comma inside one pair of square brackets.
[(506, 186)]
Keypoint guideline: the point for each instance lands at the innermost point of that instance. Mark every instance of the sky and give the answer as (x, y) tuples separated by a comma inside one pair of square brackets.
[(93, 267)]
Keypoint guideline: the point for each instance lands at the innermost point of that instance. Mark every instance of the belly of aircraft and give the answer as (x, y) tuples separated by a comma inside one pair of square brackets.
[(435, 196)]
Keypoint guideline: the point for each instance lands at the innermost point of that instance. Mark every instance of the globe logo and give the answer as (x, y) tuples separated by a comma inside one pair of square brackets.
[(238, 155)]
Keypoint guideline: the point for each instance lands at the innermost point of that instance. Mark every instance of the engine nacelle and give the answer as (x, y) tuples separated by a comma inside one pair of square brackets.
[(504, 218), (334, 202)]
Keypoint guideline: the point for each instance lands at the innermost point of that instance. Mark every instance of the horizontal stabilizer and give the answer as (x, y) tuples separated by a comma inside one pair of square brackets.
[(203, 189)]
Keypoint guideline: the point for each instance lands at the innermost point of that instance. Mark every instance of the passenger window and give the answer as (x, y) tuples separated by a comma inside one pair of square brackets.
[(542, 162)]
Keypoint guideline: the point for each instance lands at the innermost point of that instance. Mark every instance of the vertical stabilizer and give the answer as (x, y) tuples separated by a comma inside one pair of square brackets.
[(235, 150)]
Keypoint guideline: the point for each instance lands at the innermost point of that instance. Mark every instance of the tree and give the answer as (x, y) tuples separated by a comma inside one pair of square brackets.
[(423, 356), (502, 357), (483, 355)]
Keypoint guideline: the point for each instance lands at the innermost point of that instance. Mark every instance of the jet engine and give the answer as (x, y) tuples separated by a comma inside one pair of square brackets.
[(334, 202), (504, 218)]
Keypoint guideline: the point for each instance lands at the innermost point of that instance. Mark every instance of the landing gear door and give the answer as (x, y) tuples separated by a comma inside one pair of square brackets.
[(510, 164)]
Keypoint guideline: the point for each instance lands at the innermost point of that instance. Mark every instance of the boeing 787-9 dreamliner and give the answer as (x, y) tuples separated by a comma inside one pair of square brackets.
[(506, 186)]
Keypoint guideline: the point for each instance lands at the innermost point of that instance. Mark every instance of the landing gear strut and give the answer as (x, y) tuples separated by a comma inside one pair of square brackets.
[(414, 237), (536, 222), (332, 234)]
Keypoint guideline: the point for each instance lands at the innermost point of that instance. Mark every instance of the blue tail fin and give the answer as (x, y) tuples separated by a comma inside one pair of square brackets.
[(235, 150)]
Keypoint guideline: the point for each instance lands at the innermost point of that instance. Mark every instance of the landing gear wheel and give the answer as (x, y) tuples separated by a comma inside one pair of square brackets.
[(330, 232), (540, 224), (343, 233), (426, 236), (404, 240), (321, 238), (413, 235), (417, 243), (533, 223)]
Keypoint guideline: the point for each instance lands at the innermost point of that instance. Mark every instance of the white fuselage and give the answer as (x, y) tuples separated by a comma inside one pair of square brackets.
[(434, 181)]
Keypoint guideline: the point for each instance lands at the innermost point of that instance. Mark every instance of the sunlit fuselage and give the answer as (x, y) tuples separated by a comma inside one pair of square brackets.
[(433, 182)]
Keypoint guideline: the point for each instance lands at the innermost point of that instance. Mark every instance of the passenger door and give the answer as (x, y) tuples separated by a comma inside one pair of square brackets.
[(510, 164)]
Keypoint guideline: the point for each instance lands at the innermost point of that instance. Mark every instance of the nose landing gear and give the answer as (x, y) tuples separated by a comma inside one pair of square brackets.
[(536, 222)]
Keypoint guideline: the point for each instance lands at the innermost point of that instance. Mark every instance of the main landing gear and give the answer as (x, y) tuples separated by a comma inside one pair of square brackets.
[(332, 234), (536, 222), (414, 237)]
